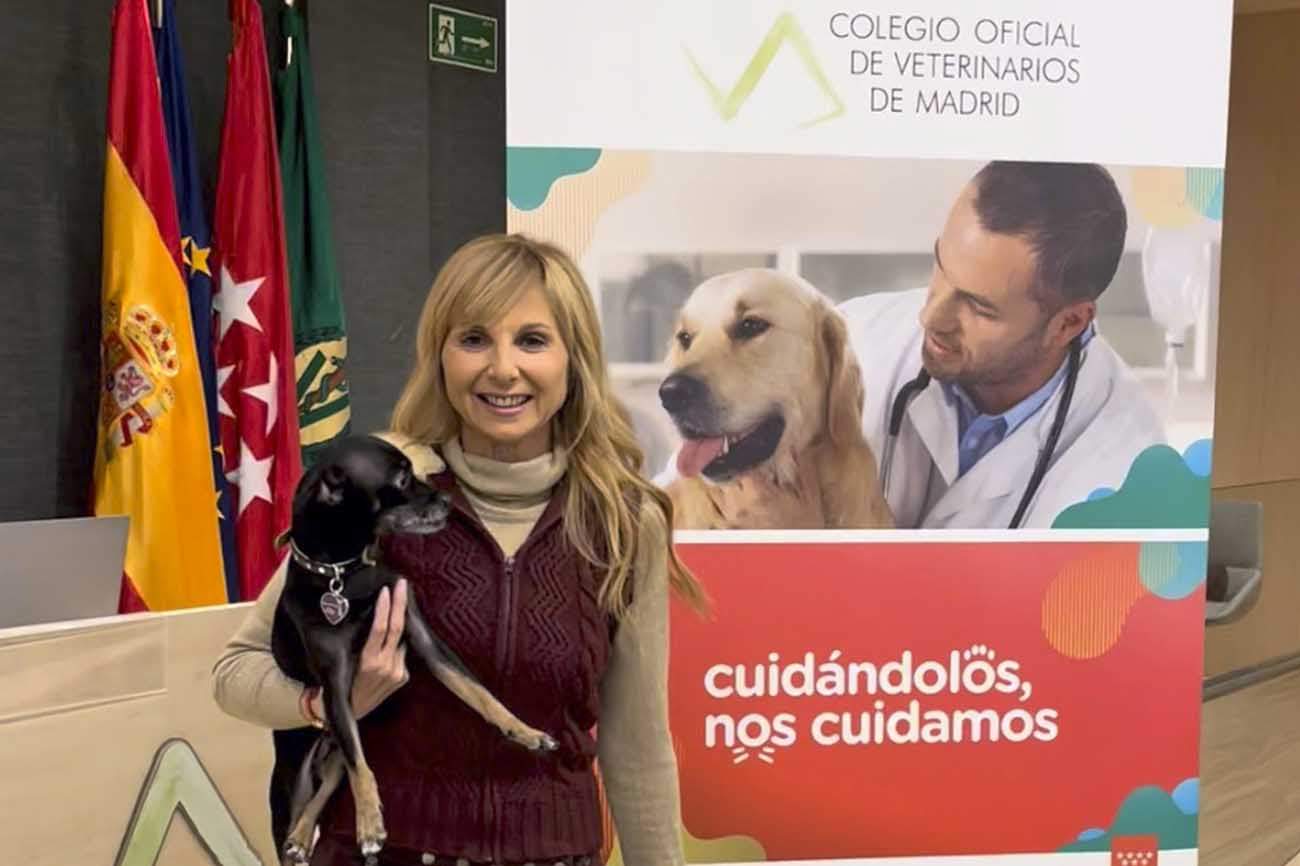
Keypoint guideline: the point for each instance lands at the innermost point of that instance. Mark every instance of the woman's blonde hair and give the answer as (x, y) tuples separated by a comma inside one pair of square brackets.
[(481, 281)]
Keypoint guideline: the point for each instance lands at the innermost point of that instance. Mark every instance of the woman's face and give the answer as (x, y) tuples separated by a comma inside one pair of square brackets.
[(507, 380)]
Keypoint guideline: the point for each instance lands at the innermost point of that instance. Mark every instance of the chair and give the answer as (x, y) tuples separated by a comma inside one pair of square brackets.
[(1236, 544)]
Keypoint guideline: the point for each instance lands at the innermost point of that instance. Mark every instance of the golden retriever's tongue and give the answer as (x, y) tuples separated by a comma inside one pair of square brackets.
[(695, 454)]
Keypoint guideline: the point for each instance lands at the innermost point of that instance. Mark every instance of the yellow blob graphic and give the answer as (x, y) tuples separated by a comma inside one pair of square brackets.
[(1160, 196), (569, 215)]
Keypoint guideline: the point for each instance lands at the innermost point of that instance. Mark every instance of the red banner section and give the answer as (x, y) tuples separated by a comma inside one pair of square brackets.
[(910, 699)]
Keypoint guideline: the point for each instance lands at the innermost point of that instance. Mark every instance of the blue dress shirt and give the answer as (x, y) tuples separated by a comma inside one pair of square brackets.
[(978, 433)]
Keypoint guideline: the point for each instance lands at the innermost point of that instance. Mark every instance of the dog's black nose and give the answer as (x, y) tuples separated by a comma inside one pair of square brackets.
[(680, 391)]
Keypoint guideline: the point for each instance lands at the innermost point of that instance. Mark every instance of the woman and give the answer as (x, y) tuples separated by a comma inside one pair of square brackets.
[(551, 582)]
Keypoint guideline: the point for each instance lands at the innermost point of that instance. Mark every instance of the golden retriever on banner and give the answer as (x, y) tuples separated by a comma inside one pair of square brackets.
[(766, 394)]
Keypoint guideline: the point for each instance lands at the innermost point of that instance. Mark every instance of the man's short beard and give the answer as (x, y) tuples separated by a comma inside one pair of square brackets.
[(1023, 356)]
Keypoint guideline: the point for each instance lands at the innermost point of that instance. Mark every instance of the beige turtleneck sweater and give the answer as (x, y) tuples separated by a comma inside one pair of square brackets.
[(638, 767)]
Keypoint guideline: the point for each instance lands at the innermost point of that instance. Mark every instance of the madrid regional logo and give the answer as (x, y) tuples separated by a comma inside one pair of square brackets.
[(140, 360)]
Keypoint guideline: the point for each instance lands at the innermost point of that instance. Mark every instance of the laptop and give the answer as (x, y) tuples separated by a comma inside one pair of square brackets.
[(59, 570)]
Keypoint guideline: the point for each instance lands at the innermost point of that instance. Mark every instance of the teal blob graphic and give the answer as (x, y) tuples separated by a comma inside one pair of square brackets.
[(1161, 491), (532, 171), (1205, 191), (1148, 811), (1172, 570)]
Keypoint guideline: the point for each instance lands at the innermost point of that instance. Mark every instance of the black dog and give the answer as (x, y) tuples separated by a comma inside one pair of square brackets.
[(360, 489)]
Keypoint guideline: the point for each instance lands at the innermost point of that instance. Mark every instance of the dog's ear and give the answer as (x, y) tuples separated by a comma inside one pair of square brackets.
[(332, 480), (425, 461), (844, 393)]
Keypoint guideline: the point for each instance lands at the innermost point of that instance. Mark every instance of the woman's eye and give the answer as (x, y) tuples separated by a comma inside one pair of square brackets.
[(750, 327), (534, 342), (473, 339)]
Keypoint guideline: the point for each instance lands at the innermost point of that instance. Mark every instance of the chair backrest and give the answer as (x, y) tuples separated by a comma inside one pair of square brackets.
[(1236, 534)]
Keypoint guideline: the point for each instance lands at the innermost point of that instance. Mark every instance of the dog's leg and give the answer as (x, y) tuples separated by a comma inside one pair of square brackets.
[(297, 849), (294, 848), (453, 674), (338, 709)]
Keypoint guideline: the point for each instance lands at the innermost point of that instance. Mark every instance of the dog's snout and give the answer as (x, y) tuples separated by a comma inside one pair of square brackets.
[(680, 392)]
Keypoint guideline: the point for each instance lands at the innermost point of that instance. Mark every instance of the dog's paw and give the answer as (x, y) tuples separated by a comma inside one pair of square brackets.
[(371, 835), (295, 854), (371, 845), (532, 740)]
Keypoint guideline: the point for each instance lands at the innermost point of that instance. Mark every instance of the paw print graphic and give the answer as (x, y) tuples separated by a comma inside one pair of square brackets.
[(979, 651)]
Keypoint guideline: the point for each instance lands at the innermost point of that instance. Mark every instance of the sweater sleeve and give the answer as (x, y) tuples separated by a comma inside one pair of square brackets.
[(246, 681), (638, 765)]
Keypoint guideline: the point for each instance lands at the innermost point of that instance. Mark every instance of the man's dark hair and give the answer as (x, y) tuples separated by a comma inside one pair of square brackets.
[(1071, 214)]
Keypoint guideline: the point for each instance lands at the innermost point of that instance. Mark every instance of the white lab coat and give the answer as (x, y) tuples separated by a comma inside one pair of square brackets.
[(1109, 422)]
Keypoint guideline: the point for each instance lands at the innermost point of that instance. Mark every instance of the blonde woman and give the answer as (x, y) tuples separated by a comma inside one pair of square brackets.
[(551, 581)]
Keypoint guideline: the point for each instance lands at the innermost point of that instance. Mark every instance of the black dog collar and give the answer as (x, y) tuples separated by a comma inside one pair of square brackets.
[(332, 570)]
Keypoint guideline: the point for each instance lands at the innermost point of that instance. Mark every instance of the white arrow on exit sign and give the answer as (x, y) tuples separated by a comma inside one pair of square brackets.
[(479, 41)]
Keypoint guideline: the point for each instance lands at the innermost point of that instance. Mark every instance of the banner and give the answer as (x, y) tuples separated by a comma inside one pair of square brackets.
[(952, 695), (914, 310)]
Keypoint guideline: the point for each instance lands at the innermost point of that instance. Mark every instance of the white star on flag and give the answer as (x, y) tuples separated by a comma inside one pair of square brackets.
[(266, 393), (253, 477), (223, 373), (232, 302)]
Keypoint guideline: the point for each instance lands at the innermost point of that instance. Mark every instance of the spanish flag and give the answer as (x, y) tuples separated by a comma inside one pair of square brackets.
[(152, 451)]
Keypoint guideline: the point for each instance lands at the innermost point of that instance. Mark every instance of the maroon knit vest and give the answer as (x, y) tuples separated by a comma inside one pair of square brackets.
[(531, 629)]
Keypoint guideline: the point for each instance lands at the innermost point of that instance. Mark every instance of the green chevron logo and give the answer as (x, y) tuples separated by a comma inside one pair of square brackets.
[(784, 30), (178, 781)]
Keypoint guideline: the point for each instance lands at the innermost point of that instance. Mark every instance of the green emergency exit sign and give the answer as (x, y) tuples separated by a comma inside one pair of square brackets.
[(461, 38)]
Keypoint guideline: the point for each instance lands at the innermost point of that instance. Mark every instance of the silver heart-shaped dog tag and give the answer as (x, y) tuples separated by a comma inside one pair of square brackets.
[(334, 606)]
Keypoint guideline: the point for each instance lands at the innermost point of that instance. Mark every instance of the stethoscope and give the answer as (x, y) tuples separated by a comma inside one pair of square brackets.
[(922, 381)]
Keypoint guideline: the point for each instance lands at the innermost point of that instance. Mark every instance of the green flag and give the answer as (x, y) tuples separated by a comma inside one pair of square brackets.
[(320, 336)]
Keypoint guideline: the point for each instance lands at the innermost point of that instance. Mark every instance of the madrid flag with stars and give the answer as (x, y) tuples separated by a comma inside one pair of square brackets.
[(256, 396)]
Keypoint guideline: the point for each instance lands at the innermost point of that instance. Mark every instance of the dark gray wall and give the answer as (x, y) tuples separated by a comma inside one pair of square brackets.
[(416, 165)]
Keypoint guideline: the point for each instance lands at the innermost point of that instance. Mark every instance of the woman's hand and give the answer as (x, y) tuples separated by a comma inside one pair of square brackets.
[(382, 668)]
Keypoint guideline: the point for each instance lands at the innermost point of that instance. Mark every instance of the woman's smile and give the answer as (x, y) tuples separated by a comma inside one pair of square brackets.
[(506, 405)]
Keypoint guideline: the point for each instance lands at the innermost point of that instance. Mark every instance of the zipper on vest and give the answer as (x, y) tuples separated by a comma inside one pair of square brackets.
[(507, 623)]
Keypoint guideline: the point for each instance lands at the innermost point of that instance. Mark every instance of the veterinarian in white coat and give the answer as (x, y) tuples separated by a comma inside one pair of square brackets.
[(1010, 310), (1108, 424)]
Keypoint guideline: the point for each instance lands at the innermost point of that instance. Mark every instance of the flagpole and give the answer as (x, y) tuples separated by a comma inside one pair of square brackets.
[(288, 43)]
